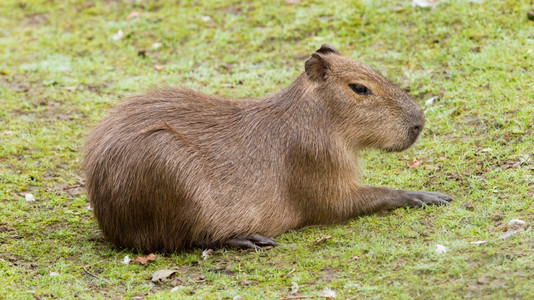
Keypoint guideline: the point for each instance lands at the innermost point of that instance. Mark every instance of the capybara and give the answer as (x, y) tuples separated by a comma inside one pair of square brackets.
[(174, 168)]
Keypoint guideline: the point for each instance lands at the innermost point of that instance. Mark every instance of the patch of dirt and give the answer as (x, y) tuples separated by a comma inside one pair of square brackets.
[(328, 274), (36, 19)]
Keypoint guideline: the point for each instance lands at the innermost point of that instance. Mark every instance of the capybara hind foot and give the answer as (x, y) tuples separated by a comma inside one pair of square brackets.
[(252, 241)]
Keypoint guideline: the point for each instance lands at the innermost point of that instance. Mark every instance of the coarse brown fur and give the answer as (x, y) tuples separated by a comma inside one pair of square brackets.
[(175, 168)]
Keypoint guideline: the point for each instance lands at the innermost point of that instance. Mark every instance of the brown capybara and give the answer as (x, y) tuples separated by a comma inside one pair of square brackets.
[(175, 168)]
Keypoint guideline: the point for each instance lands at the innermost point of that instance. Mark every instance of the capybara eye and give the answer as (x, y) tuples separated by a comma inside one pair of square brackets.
[(360, 89)]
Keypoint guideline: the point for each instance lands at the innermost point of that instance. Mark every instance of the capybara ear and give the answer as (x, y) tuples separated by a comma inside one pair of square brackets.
[(325, 49), (316, 67)]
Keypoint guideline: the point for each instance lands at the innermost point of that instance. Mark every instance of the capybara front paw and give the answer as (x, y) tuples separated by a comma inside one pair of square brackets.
[(420, 198)]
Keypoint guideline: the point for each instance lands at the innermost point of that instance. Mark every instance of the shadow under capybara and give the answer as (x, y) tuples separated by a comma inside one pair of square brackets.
[(175, 168)]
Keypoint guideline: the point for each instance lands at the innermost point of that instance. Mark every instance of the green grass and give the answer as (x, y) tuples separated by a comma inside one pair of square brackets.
[(60, 72)]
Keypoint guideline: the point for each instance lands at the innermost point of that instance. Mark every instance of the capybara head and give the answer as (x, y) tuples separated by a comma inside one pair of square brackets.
[(372, 112)]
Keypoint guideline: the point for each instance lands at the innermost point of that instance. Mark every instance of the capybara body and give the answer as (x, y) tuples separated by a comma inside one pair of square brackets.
[(175, 168)]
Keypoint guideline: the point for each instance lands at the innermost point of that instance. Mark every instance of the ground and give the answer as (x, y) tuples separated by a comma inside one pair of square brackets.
[(468, 64)]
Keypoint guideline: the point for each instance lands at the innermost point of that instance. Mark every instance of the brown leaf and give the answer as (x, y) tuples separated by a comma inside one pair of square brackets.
[(321, 240), (133, 15), (415, 163), (430, 167), (466, 205), (177, 282), (162, 274), (144, 260)]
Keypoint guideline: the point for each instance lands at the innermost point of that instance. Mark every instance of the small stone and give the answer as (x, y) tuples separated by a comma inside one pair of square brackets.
[(29, 197), (440, 249)]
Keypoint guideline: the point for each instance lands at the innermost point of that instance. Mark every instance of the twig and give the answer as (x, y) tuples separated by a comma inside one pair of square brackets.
[(290, 272), (94, 275)]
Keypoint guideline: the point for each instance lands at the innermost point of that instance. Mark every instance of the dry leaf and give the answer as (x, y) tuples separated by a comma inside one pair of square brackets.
[(133, 15), (159, 67), (415, 163), (206, 254), (466, 205), (321, 240), (430, 167), (162, 274), (144, 260)]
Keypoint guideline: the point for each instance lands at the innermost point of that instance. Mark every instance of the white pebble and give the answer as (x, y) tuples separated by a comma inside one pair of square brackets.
[(328, 293), (126, 260), (440, 249), (29, 197)]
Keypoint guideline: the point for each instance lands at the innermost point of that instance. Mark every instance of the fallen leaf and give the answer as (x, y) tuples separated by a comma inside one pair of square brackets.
[(159, 67), (321, 240), (144, 260), (162, 274), (177, 282), (88, 4), (156, 46), (430, 167), (206, 254), (466, 205), (133, 15), (414, 164)]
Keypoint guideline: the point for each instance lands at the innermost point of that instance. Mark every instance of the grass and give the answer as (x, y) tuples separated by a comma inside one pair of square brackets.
[(60, 71)]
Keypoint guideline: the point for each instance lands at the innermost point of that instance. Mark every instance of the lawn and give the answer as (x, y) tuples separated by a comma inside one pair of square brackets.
[(469, 65)]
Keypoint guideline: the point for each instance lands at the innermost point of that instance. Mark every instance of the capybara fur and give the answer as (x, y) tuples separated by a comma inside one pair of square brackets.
[(175, 169)]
